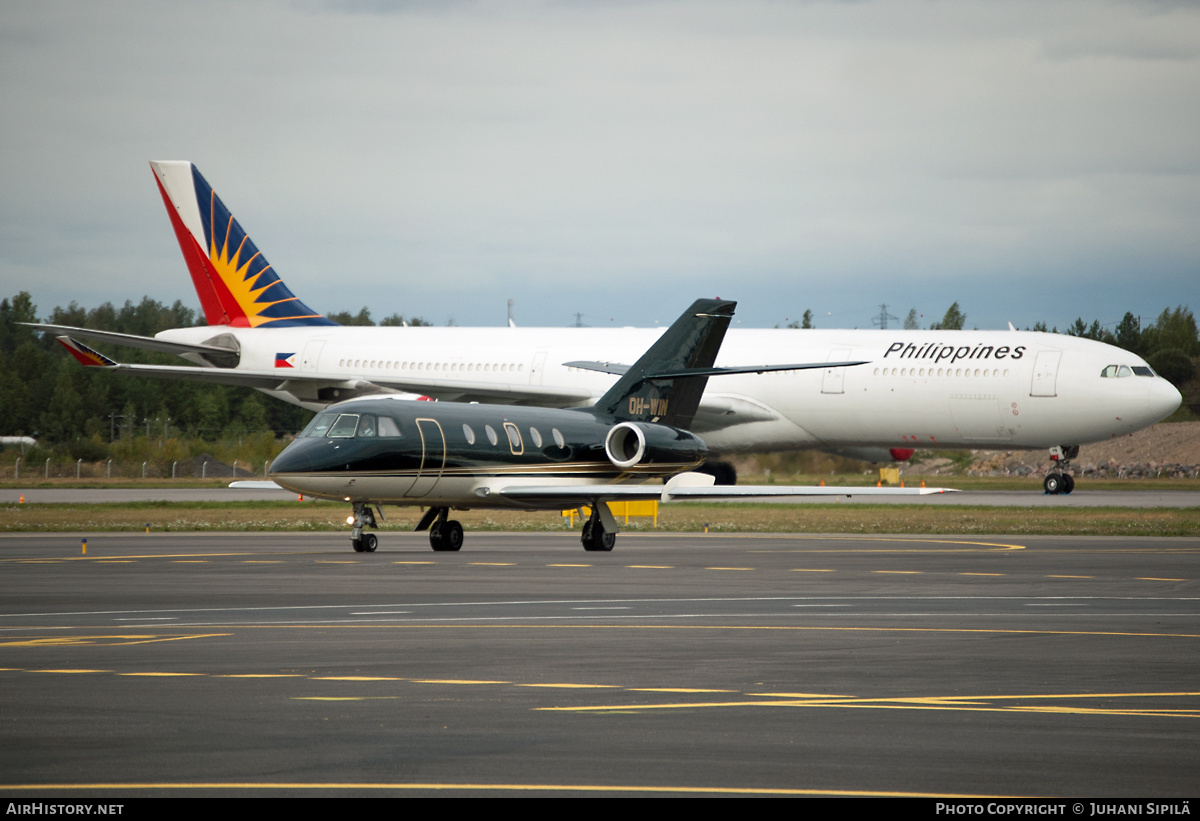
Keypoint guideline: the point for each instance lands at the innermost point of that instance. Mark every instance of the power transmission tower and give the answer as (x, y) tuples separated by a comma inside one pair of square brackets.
[(884, 316)]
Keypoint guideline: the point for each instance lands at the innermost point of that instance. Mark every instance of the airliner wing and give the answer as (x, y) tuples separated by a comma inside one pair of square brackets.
[(283, 380), (453, 390)]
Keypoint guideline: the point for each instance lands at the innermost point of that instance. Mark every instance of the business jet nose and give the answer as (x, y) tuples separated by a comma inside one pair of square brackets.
[(294, 459)]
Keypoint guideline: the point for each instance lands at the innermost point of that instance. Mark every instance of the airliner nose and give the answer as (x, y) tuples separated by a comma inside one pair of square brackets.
[(1163, 399)]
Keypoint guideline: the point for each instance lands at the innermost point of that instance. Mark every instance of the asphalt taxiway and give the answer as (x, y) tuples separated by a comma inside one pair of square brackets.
[(235, 664)]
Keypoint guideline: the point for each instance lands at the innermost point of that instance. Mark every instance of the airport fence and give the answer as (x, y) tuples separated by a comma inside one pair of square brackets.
[(200, 467)]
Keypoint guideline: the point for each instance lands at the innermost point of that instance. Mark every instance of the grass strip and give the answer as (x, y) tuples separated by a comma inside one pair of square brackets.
[(682, 517)]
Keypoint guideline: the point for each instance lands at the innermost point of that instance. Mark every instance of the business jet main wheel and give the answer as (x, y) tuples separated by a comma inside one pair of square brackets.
[(1053, 484), (446, 537), (357, 545), (596, 538), (369, 542)]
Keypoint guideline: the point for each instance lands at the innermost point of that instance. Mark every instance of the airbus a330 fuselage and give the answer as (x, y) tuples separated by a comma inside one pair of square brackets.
[(1002, 389)]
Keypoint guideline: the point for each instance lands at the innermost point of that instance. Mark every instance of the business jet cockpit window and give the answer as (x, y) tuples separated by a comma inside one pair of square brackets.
[(353, 425)]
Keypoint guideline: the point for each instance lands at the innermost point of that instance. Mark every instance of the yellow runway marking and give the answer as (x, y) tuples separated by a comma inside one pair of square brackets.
[(568, 686), (729, 568), (70, 671), (259, 675), (952, 703), (344, 698), (456, 681), (676, 690), (1154, 579), (107, 641), (801, 695), (94, 558), (882, 539)]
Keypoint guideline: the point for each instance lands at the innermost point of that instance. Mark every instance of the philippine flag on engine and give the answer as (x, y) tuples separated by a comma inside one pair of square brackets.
[(285, 360)]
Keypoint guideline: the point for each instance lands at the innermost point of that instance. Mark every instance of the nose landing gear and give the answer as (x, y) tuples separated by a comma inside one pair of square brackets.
[(363, 517), (1059, 480)]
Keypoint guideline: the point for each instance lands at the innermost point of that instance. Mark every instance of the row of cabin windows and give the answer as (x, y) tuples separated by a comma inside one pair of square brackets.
[(940, 372), (449, 367), (367, 425)]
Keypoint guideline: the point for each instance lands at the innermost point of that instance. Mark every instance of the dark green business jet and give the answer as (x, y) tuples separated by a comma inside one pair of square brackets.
[(633, 443)]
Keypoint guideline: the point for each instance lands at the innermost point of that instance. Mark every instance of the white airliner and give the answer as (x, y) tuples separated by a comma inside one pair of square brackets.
[(920, 389)]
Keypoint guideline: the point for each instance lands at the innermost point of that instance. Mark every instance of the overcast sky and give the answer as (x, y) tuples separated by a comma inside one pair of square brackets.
[(1030, 160)]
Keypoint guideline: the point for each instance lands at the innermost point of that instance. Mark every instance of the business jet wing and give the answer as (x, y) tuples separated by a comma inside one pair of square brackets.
[(685, 487), (291, 380)]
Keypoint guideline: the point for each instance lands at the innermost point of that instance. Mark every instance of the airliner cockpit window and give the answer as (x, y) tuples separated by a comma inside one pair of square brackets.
[(344, 427), (1142, 370), (366, 426)]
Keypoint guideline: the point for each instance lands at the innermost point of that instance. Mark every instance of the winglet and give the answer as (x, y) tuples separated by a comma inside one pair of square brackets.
[(85, 355)]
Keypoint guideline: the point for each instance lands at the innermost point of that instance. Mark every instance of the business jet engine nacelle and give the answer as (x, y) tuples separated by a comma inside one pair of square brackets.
[(633, 444)]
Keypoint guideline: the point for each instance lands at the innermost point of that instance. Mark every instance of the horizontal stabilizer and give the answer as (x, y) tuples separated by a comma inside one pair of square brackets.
[(290, 380), (615, 368), (144, 343)]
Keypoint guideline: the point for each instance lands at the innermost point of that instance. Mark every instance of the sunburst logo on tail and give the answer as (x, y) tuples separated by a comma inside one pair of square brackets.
[(251, 293)]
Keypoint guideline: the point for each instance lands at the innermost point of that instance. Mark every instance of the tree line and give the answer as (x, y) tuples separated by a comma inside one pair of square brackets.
[(47, 395)]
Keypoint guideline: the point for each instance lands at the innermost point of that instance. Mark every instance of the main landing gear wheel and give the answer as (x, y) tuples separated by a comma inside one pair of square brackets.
[(596, 539), (446, 536), (369, 542)]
